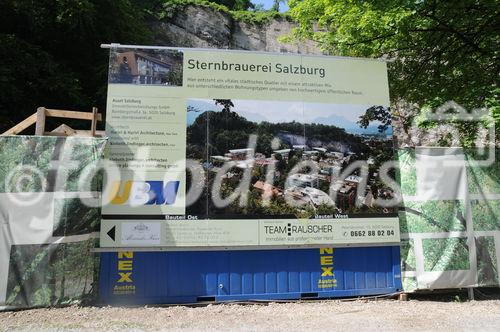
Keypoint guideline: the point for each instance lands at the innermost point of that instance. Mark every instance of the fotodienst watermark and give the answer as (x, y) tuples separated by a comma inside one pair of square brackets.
[(318, 179)]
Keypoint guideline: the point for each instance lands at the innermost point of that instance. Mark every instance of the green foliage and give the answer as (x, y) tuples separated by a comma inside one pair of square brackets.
[(39, 152), (15, 151), (166, 9), (446, 254), (483, 179), (376, 113), (486, 215), (409, 284), (86, 153), (407, 173), (31, 77), (174, 76), (487, 269), (258, 18), (42, 296), (51, 56), (432, 217), (43, 275), (440, 50), (276, 5), (72, 217), (493, 104), (240, 10), (235, 4), (408, 259), (24, 264)]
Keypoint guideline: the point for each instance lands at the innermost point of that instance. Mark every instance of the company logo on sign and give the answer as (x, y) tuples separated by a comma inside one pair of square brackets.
[(125, 268), (136, 193), (327, 277), (298, 229)]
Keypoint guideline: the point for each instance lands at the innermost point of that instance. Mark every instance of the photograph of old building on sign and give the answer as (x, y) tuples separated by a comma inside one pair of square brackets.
[(146, 67)]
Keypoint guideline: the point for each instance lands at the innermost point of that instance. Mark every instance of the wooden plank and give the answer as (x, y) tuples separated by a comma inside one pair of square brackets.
[(76, 133), (29, 121), (98, 133), (40, 121), (72, 115), (52, 133), (93, 125)]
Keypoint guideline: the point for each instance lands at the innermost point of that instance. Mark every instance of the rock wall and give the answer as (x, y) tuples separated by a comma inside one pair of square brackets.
[(204, 27)]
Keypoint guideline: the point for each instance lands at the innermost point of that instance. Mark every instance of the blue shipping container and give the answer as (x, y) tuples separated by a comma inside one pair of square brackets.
[(188, 277)]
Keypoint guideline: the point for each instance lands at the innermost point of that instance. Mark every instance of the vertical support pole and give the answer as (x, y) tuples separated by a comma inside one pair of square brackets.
[(93, 125), (5, 247), (40, 121), (470, 293)]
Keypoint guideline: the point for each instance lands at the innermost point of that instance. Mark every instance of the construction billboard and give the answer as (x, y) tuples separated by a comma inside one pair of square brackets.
[(237, 149)]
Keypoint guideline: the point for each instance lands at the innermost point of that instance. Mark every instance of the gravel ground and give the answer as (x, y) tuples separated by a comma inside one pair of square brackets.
[(386, 315)]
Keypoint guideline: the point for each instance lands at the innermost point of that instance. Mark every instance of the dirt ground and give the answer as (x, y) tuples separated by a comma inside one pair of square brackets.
[(361, 315)]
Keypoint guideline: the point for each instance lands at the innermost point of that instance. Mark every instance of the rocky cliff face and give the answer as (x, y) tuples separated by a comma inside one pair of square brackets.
[(204, 27)]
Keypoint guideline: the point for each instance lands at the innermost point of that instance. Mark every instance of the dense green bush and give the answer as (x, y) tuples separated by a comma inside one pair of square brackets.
[(51, 56)]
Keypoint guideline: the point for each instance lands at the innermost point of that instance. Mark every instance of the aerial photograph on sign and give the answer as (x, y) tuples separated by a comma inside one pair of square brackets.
[(310, 147)]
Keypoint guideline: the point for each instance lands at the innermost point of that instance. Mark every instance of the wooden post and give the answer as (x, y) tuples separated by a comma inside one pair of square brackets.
[(40, 121), (470, 293), (93, 125), (403, 297)]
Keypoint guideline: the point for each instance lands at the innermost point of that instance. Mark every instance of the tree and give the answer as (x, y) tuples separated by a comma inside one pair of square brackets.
[(226, 104), (276, 5), (31, 77), (376, 113), (235, 4), (174, 77), (281, 164), (439, 50), (51, 55)]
